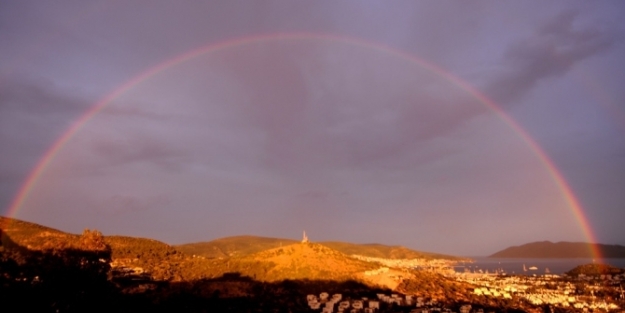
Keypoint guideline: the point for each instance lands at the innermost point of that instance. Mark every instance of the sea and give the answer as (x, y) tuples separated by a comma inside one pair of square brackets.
[(542, 266)]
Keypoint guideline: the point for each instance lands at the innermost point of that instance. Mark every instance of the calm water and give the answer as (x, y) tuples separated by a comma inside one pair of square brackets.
[(515, 266)]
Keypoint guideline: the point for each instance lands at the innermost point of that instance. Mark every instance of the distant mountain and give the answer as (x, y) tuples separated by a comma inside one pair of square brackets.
[(548, 249), (246, 245)]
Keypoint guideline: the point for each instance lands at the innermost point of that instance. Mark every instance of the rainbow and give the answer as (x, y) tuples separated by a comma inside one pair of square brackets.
[(555, 174)]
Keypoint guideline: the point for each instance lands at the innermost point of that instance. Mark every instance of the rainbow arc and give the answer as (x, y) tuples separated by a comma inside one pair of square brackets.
[(58, 145)]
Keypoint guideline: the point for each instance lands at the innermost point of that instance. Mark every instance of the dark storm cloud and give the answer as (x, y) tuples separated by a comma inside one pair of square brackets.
[(19, 96), (374, 110), (125, 204), (138, 149), (553, 50), (35, 113), (32, 115)]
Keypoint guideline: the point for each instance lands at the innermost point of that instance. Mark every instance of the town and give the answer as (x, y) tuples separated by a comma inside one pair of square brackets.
[(583, 292), (564, 293)]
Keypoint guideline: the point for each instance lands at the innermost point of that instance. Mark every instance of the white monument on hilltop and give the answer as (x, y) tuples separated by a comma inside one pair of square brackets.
[(304, 238)]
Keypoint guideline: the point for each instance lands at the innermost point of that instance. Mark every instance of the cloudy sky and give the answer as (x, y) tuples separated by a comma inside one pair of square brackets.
[(357, 121)]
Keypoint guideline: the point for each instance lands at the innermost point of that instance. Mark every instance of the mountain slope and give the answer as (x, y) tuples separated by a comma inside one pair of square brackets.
[(299, 261), (376, 250), (233, 246), (26, 235), (155, 259), (246, 245), (547, 249)]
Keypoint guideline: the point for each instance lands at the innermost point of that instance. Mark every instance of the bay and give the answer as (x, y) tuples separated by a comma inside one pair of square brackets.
[(515, 266)]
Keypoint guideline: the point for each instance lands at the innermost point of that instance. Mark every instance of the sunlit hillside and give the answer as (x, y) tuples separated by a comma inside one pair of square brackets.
[(17, 233), (383, 251), (261, 258), (246, 245), (302, 261), (233, 246)]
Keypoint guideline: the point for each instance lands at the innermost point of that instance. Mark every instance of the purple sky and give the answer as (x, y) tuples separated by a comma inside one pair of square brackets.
[(343, 140)]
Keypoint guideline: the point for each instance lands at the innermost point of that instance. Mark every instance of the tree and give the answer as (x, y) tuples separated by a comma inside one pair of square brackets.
[(92, 240)]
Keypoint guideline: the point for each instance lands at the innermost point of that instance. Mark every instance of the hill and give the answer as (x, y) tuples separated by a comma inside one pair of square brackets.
[(376, 250), (233, 246), (300, 261), (15, 233), (130, 256), (44, 269), (309, 261), (261, 258), (547, 249), (246, 245)]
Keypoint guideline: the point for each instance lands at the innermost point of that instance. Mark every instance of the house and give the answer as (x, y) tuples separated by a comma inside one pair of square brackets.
[(409, 300), (374, 305), (323, 296), (357, 304), (343, 305)]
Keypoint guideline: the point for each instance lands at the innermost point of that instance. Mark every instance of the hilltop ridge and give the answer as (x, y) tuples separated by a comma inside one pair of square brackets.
[(300, 261), (233, 246), (247, 244), (263, 258)]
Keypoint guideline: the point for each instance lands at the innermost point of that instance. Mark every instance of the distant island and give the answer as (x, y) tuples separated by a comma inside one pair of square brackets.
[(563, 249)]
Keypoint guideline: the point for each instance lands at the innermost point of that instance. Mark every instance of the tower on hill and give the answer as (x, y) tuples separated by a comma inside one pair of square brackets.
[(304, 238)]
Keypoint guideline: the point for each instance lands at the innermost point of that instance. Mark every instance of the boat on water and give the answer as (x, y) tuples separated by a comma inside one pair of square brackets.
[(533, 268)]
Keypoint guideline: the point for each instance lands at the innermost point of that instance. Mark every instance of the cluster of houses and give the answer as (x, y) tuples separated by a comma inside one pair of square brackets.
[(327, 304), (408, 263), (616, 279), (336, 303), (561, 292)]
